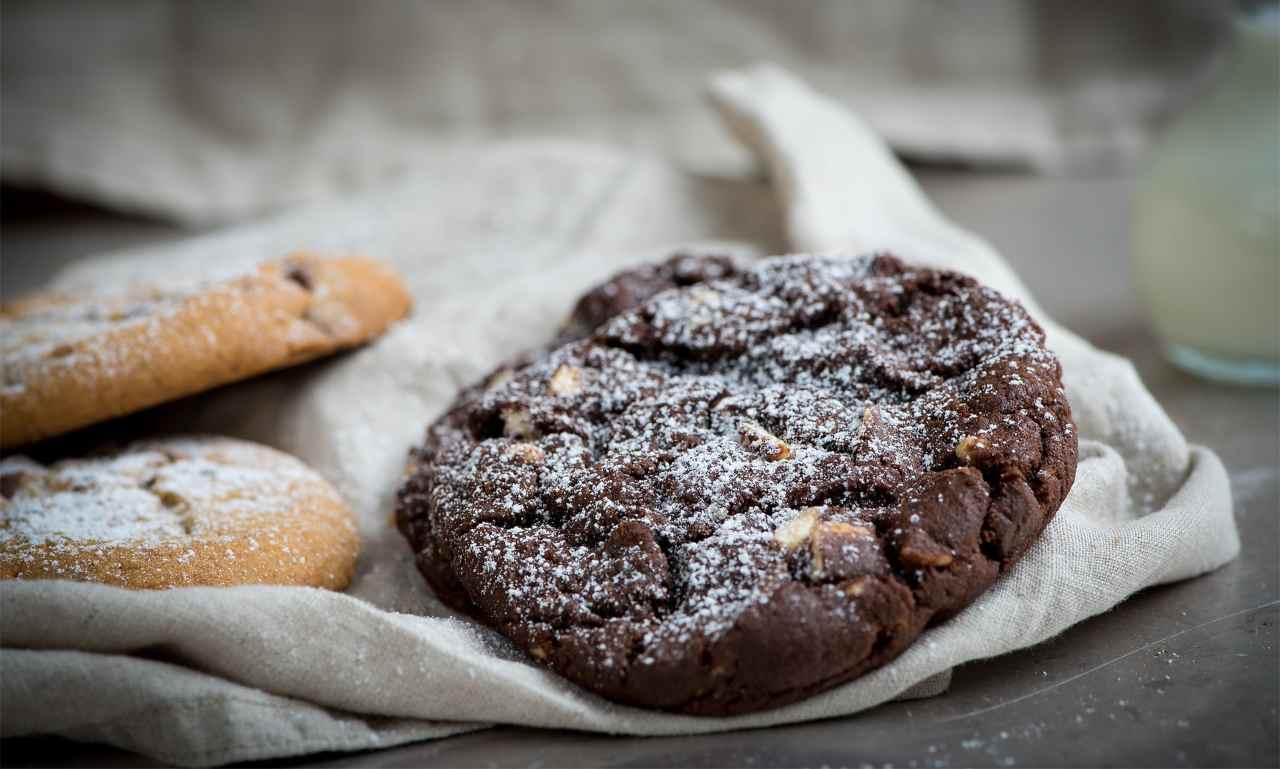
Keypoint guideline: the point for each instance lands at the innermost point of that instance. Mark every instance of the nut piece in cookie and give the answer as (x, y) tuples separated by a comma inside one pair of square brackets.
[(72, 361), (516, 423), (760, 441), (795, 532), (175, 512), (566, 381)]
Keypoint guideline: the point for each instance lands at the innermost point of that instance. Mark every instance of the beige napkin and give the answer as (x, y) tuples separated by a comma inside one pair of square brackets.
[(494, 245)]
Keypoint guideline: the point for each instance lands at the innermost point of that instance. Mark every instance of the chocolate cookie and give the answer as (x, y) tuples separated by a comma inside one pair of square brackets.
[(744, 491)]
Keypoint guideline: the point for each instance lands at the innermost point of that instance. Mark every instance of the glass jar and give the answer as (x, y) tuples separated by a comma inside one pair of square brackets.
[(1206, 220)]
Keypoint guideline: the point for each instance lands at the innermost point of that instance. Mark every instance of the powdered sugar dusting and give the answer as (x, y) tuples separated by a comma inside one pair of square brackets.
[(113, 514), (49, 330)]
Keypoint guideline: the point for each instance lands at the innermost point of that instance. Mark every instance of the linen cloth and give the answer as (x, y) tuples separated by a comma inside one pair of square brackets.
[(206, 112), (494, 246)]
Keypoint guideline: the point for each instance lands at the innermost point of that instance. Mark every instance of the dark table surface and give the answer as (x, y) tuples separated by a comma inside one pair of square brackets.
[(1184, 674)]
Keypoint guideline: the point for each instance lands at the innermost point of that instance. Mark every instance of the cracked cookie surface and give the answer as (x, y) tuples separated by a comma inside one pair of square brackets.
[(741, 491), (174, 512), (72, 361)]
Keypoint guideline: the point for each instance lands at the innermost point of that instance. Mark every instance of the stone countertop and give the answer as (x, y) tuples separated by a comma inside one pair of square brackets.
[(1184, 674)]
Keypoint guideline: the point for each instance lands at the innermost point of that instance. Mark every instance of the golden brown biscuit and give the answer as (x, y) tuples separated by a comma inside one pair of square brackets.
[(173, 512), (73, 361)]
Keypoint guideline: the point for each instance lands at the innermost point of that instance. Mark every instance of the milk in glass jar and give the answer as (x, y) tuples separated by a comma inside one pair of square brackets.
[(1206, 226)]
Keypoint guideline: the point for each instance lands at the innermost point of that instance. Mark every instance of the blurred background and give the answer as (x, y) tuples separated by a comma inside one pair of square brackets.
[(209, 112), (124, 122), (1120, 155)]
